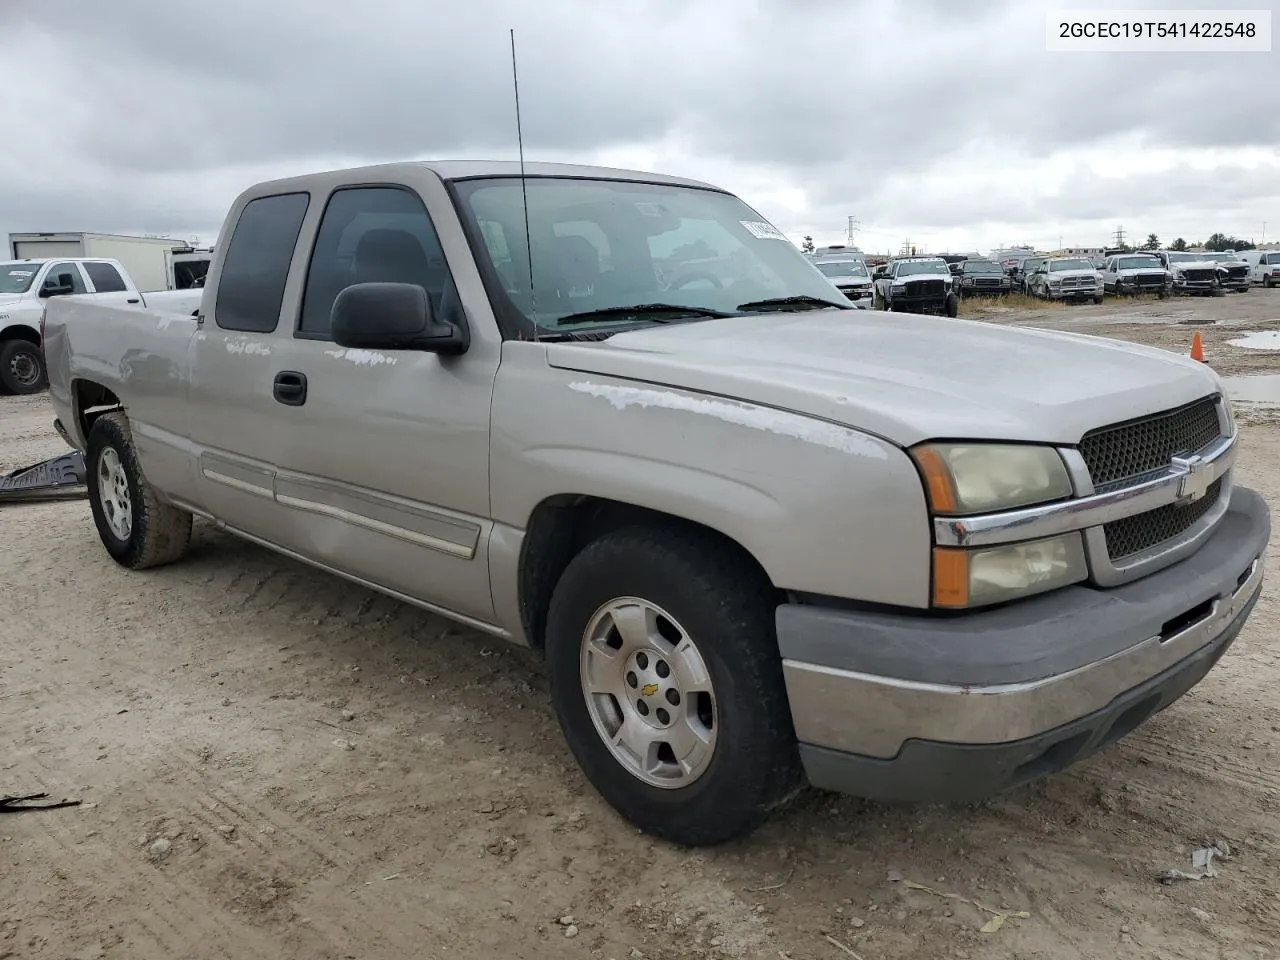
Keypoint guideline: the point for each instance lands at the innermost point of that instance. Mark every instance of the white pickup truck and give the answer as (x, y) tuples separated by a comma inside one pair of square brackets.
[(755, 533), (26, 286)]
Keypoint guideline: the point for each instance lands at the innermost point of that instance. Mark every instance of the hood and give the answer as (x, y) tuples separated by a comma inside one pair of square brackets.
[(1196, 265), (1073, 273), (850, 281), (7, 298), (1150, 268), (904, 377)]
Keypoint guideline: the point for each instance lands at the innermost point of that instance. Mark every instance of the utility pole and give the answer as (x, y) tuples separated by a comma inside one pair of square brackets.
[(853, 225)]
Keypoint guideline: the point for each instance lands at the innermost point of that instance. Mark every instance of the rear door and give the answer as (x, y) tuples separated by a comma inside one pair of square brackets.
[(235, 425), (109, 285), (384, 463)]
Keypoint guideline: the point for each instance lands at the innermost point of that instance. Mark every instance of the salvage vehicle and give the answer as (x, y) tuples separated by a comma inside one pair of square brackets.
[(1191, 272), (1066, 278), (849, 276), (26, 286), (1134, 273), (1023, 270), (917, 285), (982, 278), (1233, 270), (907, 557), (1264, 267)]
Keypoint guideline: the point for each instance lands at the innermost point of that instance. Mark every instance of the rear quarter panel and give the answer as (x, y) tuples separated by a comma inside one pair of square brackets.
[(141, 357)]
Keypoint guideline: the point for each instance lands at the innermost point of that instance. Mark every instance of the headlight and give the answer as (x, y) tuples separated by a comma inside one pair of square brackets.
[(974, 578), (899, 286), (964, 478)]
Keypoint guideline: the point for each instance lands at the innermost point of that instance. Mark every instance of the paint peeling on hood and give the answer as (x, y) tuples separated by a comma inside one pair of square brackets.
[(779, 422)]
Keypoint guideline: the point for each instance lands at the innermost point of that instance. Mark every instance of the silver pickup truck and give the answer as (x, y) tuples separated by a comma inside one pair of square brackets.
[(618, 417)]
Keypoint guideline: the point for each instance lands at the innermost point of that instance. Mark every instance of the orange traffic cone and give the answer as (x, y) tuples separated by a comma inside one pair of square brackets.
[(1197, 347)]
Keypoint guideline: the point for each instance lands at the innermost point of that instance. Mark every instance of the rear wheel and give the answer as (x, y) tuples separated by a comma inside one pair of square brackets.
[(665, 675), (137, 529), (22, 367)]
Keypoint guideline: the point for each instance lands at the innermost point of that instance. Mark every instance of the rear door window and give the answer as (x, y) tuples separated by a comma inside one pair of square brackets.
[(251, 286), (105, 277)]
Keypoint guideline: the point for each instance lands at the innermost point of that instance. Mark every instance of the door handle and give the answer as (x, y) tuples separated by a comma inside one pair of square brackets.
[(290, 388), (133, 300)]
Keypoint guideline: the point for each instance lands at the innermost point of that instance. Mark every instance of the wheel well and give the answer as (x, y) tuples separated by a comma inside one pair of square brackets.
[(92, 400), (562, 525), (20, 331)]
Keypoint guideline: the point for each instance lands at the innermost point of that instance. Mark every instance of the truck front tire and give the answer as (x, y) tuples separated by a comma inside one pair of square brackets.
[(137, 529), (664, 671), (22, 368)]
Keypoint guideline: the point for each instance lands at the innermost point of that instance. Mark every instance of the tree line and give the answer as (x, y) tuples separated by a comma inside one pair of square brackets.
[(1216, 242)]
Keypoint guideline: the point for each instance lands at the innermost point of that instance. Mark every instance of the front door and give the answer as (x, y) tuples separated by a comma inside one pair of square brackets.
[(384, 460)]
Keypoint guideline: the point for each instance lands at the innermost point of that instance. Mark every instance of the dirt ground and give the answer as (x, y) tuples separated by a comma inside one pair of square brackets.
[(275, 764)]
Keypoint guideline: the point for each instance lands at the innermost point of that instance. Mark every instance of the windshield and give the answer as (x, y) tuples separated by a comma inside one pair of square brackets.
[(17, 277), (841, 268), (912, 268), (1271, 258), (1138, 263), (981, 266), (1057, 265), (1184, 257), (601, 245), (1217, 257)]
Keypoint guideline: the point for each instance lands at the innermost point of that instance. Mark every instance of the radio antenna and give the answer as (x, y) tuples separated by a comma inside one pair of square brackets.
[(524, 186)]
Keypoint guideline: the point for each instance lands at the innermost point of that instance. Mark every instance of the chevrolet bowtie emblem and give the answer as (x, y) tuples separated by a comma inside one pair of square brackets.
[(1195, 482)]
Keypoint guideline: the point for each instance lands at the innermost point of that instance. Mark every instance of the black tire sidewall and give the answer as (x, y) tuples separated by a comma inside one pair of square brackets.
[(8, 349), (732, 794), (106, 433)]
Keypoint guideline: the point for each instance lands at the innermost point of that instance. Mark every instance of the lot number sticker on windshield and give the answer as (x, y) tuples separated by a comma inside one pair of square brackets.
[(21, 273), (763, 230)]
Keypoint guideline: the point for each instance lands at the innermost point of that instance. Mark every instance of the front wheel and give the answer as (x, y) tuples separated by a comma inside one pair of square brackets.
[(22, 368), (664, 672), (953, 306), (137, 529), (1097, 299)]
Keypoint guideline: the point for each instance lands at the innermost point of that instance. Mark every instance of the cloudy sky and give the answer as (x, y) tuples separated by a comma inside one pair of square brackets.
[(945, 121)]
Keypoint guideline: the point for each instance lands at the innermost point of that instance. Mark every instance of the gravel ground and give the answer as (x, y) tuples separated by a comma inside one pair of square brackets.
[(277, 764)]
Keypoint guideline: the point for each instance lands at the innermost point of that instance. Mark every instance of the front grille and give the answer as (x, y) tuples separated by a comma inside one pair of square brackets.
[(1139, 533), (1237, 273), (1078, 282), (855, 293), (925, 288), (1123, 451), (1150, 279), (986, 281), (1199, 276)]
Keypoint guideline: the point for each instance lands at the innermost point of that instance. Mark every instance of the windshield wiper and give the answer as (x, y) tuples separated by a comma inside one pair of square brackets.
[(641, 310), (803, 301)]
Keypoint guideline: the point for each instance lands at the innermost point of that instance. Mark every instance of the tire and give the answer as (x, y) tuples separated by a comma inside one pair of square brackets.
[(152, 533), (707, 592), (1098, 300), (1266, 282), (22, 368), (953, 306)]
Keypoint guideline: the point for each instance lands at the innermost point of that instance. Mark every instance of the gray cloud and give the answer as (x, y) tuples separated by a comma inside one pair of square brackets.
[(145, 113)]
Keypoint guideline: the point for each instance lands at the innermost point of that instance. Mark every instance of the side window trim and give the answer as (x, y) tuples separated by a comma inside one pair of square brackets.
[(315, 234)]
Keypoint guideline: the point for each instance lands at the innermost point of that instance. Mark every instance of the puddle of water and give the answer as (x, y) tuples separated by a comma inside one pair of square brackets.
[(1260, 389), (1258, 340)]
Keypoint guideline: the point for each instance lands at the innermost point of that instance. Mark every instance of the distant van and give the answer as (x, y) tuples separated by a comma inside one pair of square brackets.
[(1264, 266)]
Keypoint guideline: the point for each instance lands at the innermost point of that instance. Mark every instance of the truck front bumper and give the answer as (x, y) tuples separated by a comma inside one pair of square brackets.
[(896, 706)]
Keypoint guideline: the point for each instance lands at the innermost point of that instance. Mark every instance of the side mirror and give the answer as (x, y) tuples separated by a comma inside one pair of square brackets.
[(58, 286), (392, 316)]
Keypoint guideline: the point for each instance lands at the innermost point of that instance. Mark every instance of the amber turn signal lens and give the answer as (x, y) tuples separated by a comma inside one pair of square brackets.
[(950, 577), (937, 479)]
